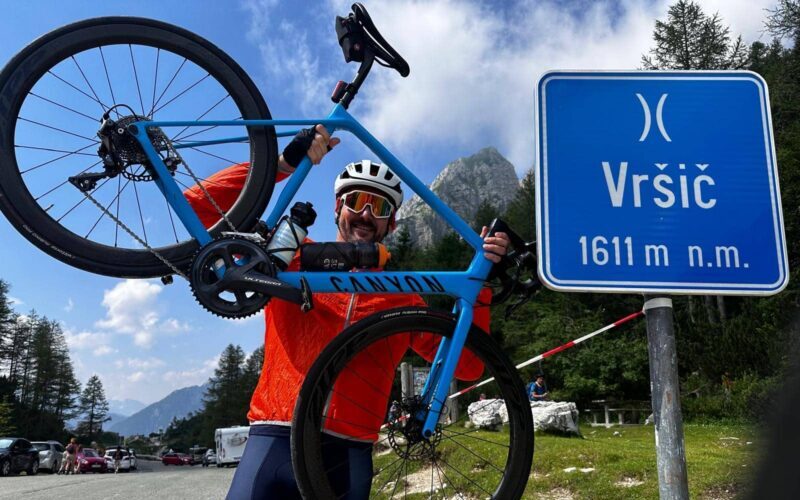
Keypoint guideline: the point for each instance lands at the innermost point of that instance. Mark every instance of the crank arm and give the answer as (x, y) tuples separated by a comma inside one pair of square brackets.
[(246, 281)]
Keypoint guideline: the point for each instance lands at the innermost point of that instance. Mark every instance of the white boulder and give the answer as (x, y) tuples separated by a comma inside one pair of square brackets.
[(558, 416), (488, 413)]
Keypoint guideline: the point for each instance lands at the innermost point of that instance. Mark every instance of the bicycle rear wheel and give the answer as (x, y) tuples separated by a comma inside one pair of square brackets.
[(53, 94), (349, 392)]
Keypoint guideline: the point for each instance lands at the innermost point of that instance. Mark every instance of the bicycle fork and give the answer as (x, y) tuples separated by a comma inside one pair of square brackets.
[(434, 394)]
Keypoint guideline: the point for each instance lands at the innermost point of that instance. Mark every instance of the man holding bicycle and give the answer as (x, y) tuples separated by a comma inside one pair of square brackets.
[(367, 198)]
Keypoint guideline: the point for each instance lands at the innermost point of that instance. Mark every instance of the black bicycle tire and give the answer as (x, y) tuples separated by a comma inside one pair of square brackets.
[(306, 460), (22, 72)]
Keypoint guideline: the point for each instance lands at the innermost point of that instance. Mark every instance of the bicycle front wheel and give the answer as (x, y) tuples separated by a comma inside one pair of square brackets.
[(353, 394), (53, 95)]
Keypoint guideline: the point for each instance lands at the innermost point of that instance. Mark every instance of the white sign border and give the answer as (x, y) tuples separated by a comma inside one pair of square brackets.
[(542, 220)]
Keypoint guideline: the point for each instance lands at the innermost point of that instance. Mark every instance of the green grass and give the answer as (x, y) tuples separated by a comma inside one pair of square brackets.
[(624, 464), (717, 468)]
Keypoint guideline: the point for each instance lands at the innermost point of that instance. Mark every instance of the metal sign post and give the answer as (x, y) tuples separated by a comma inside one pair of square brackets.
[(659, 183), (665, 394)]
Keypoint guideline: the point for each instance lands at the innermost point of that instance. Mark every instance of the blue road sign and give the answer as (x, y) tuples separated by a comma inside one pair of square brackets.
[(658, 182)]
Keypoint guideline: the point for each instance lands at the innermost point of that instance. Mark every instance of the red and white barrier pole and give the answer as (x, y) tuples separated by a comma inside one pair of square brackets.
[(556, 350)]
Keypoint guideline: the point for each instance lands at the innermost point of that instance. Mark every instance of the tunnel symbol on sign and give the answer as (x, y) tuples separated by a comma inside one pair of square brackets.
[(659, 118)]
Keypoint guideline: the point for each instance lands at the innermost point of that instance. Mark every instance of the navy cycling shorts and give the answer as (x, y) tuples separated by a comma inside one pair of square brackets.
[(265, 471)]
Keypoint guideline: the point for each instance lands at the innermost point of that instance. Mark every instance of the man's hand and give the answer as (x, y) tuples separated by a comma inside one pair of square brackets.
[(314, 142), (496, 246)]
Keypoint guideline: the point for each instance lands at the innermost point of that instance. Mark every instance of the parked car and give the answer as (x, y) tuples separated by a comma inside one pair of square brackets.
[(17, 455), (210, 457), (176, 459), (51, 453), (128, 462), (91, 461)]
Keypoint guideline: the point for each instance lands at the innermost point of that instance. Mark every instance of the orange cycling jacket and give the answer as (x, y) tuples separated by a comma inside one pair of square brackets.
[(293, 340)]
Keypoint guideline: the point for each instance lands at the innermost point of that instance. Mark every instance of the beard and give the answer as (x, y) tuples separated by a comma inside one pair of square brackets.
[(360, 230)]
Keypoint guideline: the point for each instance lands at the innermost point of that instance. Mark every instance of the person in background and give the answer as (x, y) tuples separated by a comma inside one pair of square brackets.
[(70, 458), (117, 459), (537, 391), (76, 466)]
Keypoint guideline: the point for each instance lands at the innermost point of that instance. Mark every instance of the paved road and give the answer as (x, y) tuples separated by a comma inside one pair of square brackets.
[(152, 480)]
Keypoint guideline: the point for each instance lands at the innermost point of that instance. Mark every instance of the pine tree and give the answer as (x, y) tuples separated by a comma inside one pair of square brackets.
[(484, 216), (689, 39), (403, 251), (521, 212), (226, 391), (7, 320), (94, 407), (6, 418), (784, 20)]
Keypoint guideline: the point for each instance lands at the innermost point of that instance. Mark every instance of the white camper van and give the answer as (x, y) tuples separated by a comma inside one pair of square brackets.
[(230, 443)]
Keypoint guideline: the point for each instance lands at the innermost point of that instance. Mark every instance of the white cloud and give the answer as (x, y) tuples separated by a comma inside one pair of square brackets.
[(70, 305), (292, 61), (85, 339), (474, 66), (14, 301), (194, 376), (103, 350), (132, 309), (136, 376)]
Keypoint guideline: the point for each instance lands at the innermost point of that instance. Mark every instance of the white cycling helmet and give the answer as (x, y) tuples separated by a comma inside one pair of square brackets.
[(364, 173)]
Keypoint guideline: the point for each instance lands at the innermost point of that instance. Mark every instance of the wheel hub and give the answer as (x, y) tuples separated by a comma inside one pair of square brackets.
[(405, 431), (122, 153)]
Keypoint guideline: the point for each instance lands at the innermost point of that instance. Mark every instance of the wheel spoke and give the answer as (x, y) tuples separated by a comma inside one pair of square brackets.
[(155, 79), (116, 226), (201, 116), (141, 217), (98, 101), (57, 129), (66, 181), (23, 172), (190, 87), (89, 84), (108, 79), (104, 212), (179, 139), (230, 162), (464, 476), (82, 200), (171, 220), (94, 119), (78, 152), (476, 455), (136, 78), (153, 109)]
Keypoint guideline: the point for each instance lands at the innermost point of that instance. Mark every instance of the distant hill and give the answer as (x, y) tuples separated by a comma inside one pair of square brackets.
[(115, 419), (158, 415), (125, 407), (462, 185)]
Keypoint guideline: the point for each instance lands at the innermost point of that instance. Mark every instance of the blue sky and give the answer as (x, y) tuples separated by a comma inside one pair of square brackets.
[(473, 70)]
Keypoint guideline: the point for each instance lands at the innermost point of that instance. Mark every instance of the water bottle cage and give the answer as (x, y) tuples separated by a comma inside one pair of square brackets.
[(273, 251)]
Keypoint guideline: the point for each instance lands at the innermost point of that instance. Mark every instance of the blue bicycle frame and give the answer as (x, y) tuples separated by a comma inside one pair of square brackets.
[(463, 285)]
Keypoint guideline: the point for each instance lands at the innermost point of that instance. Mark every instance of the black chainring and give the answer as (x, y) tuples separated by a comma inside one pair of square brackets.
[(206, 285), (404, 431)]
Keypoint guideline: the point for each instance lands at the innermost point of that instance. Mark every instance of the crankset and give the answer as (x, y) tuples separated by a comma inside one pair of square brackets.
[(233, 277)]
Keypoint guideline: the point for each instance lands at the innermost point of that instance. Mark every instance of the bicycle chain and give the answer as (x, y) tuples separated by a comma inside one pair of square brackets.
[(133, 235), (152, 250)]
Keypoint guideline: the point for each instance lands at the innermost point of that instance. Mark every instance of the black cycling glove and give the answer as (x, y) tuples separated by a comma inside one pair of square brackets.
[(298, 148)]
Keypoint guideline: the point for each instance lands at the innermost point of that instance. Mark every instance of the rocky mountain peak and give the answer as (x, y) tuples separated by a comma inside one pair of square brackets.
[(463, 185)]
